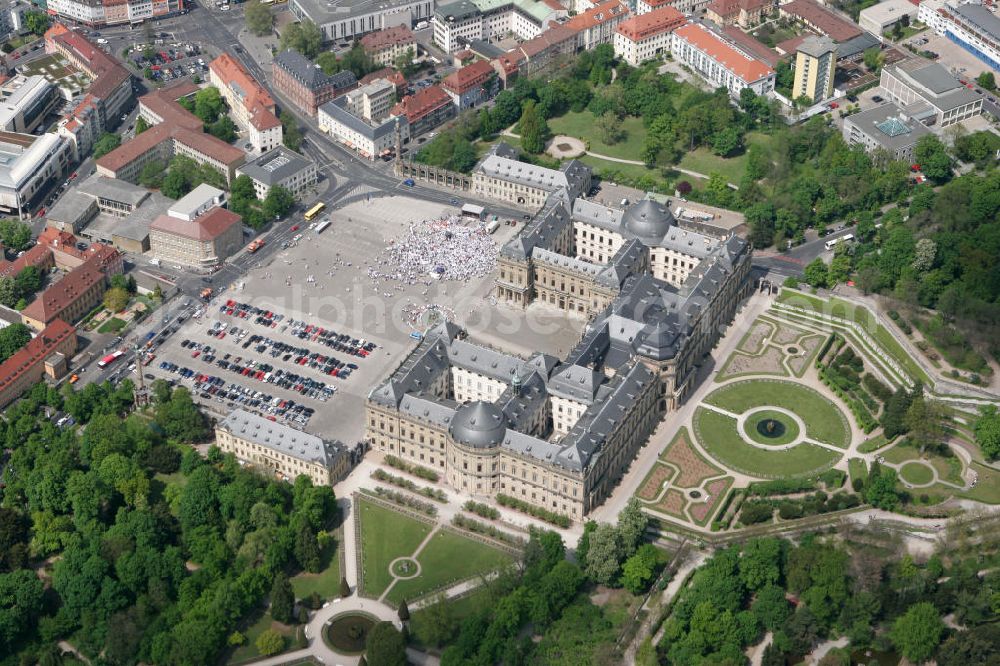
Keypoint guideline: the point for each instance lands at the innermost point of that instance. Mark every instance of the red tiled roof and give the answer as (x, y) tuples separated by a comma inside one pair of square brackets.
[(205, 144), (555, 35), (415, 107), (206, 227), (468, 77), (833, 26), (400, 34), (36, 351), (37, 256), (164, 103), (745, 67), (730, 8), (256, 99), (602, 12), (393, 76), (757, 49), (664, 19), (54, 300), (789, 46)]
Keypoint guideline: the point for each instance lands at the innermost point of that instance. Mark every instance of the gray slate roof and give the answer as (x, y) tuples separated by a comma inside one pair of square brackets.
[(311, 76), (281, 438), (275, 166)]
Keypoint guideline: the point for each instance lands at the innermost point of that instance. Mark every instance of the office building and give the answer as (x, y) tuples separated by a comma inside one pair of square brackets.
[(928, 92), (113, 12), (28, 165), (24, 103), (281, 450), (196, 239), (280, 167), (598, 24), (885, 132), (972, 26), (815, 66), (647, 36), (360, 121), (249, 103), (502, 177), (348, 20), (880, 18), (719, 61), (77, 292), (305, 84), (458, 24)]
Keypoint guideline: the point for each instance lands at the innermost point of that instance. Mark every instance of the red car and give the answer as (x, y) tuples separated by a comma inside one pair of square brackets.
[(195, 354), (834, 105), (295, 227), (72, 176), (41, 212)]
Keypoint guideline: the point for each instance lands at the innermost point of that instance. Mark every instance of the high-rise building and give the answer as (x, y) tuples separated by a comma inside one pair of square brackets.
[(815, 64)]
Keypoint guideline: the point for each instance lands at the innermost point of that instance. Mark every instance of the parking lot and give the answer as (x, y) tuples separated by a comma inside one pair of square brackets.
[(169, 62), (953, 56), (328, 331)]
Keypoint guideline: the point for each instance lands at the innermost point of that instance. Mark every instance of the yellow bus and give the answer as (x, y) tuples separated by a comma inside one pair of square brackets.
[(315, 210)]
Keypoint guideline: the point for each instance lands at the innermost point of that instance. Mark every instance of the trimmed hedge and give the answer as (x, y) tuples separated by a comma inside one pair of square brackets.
[(482, 510), (415, 470), (435, 494), (399, 498), (532, 510), (485, 529)]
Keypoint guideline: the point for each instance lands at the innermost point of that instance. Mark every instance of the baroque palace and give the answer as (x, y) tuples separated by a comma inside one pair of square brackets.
[(560, 434)]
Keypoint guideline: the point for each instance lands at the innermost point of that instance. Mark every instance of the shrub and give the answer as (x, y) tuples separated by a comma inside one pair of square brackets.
[(876, 387), (486, 529), (399, 498), (483, 510), (531, 509), (755, 511), (415, 470)]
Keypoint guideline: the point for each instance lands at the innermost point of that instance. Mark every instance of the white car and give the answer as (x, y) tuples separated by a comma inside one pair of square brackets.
[(102, 41)]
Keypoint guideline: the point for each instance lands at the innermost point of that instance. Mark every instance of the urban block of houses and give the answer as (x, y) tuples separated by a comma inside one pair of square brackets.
[(744, 13), (24, 103), (360, 120), (77, 292), (385, 46), (283, 167), (305, 84), (250, 104), (885, 130), (197, 230), (647, 36), (425, 110), (458, 24), (471, 85), (820, 20), (113, 12)]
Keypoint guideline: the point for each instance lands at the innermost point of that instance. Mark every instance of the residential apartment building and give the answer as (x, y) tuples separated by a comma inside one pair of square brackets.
[(471, 85), (885, 131), (647, 36), (683, 6), (598, 24), (250, 104), (815, 67), (393, 76), (280, 167), (27, 366), (502, 177), (458, 24), (348, 20), (281, 450), (744, 13), (207, 239), (77, 292), (113, 12), (305, 84), (28, 165), (425, 110), (972, 26), (385, 46), (550, 51), (719, 61), (929, 93), (111, 83)]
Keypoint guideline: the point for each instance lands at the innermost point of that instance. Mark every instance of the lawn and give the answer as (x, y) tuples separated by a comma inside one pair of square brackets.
[(629, 174), (583, 126), (448, 558), (718, 435), (824, 421), (326, 583), (111, 325), (753, 425), (916, 473), (459, 608), (873, 444), (858, 469), (248, 651), (385, 535), (987, 488), (900, 454)]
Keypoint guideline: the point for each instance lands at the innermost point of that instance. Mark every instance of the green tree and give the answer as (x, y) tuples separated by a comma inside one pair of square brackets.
[(37, 22), (151, 175), (327, 61), (924, 421), (534, 130), (140, 125), (176, 184), (258, 18), (385, 646), (116, 299), (270, 643), (224, 129), (12, 338), (917, 633), (307, 549), (282, 599), (880, 488), (632, 523), (105, 144), (208, 104), (180, 417), (816, 273), (726, 141), (437, 623), (21, 596), (278, 202), (303, 37), (760, 217), (403, 612), (15, 235), (987, 81), (609, 127), (291, 134), (933, 159), (638, 570), (840, 269), (604, 554), (987, 430)]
